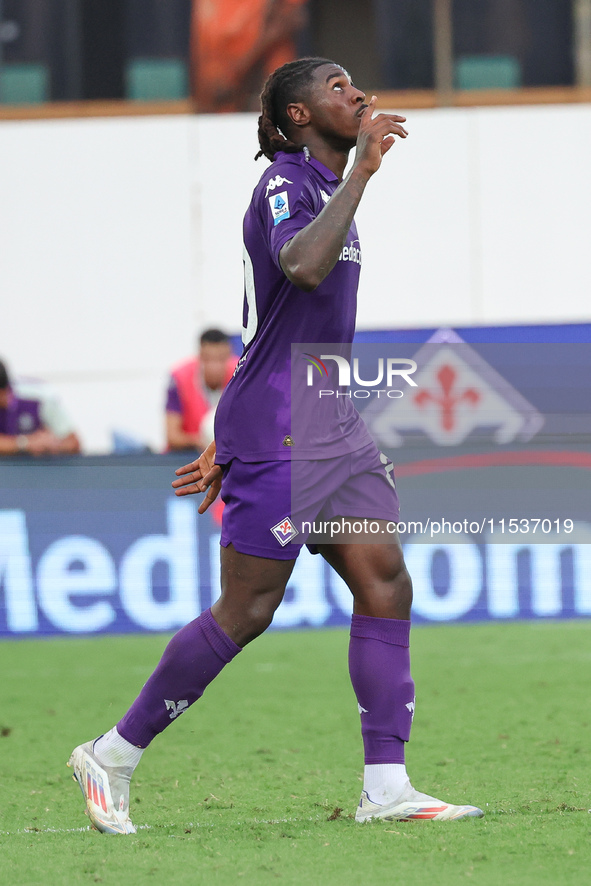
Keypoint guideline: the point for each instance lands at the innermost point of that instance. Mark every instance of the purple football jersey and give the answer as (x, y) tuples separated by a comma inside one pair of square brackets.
[(21, 416), (254, 416)]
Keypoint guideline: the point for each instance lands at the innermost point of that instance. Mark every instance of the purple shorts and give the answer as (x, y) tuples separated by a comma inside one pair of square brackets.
[(269, 506)]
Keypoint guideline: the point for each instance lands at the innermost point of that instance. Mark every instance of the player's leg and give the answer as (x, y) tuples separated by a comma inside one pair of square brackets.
[(252, 589), (379, 656), (253, 583), (379, 665)]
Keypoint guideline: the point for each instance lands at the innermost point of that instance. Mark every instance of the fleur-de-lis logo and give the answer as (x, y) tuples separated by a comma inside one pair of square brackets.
[(176, 707), (448, 397)]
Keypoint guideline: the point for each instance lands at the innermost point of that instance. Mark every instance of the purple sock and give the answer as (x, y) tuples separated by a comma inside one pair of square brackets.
[(192, 659), (379, 665)]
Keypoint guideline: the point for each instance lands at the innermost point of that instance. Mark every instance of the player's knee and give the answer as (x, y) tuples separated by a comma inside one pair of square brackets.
[(249, 616), (396, 591), (401, 586), (394, 574), (260, 615)]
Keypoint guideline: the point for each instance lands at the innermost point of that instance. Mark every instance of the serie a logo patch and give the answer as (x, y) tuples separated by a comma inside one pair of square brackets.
[(284, 531), (279, 204)]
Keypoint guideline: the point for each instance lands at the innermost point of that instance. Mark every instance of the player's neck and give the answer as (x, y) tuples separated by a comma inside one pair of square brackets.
[(332, 157)]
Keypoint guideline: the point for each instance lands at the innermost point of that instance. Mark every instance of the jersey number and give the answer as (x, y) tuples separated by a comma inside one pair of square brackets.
[(252, 319)]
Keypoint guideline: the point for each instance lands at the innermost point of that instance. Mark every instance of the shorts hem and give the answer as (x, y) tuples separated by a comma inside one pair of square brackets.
[(268, 554)]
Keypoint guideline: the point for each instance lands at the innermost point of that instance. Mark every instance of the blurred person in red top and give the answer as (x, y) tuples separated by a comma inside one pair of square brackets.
[(194, 390), (235, 44)]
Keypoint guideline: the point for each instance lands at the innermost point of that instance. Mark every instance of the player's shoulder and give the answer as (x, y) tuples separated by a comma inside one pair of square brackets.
[(286, 170)]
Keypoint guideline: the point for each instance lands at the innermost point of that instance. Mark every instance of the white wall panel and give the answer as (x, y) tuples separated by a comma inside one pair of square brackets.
[(414, 224), (121, 238), (535, 180), (225, 147)]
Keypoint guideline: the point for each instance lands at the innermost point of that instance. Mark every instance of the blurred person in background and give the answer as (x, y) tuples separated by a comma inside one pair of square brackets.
[(32, 420), (235, 44), (194, 390)]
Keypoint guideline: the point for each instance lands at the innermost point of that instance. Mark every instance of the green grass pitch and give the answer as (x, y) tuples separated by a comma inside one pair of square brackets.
[(258, 782)]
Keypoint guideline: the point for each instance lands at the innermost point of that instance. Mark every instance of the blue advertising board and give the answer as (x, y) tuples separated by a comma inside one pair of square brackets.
[(103, 546), (496, 521)]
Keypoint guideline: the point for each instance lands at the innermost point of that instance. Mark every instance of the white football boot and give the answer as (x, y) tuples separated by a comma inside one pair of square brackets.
[(105, 790), (411, 805)]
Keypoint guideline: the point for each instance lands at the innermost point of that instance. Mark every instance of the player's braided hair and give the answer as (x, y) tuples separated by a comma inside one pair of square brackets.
[(287, 84)]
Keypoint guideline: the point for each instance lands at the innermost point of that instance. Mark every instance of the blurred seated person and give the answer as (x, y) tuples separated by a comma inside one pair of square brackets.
[(194, 391), (32, 419), (236, 44)]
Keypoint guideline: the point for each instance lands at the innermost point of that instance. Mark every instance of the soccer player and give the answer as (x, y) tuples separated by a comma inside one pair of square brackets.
[(301, 272)]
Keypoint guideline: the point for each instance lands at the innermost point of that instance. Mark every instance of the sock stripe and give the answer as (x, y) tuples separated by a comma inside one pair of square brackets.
[(219, 641), (395, 631)]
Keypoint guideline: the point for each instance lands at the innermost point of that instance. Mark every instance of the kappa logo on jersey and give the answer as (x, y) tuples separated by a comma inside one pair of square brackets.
[(176, 707), (324, 195), (361, 709), (276, 183), (411, 707), (284, 531), (279, 204)]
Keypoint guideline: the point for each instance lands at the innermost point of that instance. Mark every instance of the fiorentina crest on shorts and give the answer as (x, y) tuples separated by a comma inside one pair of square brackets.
[(284, 531)]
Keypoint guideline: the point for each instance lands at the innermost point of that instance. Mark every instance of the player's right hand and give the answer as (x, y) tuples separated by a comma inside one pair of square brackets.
[(201, 475)]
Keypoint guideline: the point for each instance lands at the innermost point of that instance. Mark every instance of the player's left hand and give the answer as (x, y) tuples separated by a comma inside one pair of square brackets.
[(201, 475)]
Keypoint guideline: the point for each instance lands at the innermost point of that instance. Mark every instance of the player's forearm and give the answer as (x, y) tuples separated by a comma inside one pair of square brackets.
[(9, 444), (314, 251), (176, 437), (69, 445), (181, 440)]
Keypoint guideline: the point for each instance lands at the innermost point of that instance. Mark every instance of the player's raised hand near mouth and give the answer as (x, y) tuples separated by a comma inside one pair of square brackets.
[(313, 252), (376, 137)]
